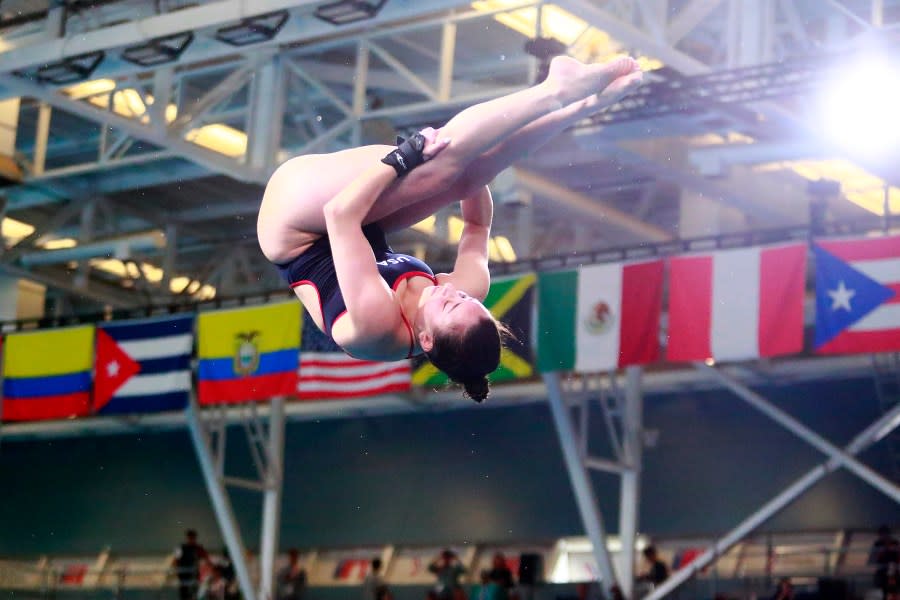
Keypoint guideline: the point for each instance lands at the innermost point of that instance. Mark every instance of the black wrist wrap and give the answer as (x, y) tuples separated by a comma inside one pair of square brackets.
[(408, 154)]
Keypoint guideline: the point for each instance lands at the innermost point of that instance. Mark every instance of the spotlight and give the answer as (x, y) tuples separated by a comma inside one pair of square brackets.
[(253, 29), (859, 109), (68, 70), (158, 51), (349, 11)]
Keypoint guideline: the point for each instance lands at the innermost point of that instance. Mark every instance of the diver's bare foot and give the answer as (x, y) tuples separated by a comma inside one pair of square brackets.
[(614, 92), (571, 80)]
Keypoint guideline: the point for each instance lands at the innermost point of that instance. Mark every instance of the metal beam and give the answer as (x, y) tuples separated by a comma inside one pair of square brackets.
[(61, 279), (214, 161), (633, 37), (691, 15), (267, 102), (755, 400), (220, 92), (220, 501), (60, 218), (792, 370), (580, 479), (630, 484), (597, 209), (193, 19), (271, 517), (205, 49), (872, 434)]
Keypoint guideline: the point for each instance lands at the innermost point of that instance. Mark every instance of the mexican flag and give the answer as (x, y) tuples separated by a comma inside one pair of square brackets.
[(600, 317)]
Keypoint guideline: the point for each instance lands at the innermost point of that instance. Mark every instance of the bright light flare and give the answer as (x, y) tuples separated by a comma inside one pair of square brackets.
[(860, 109)]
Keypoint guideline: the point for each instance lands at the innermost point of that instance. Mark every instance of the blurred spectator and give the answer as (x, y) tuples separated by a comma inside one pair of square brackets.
[(187, 565), (785, 590), (232, 589), (501, 575), (657, 571), (214, 587), (374, 587), (448, 569), (290, 582), (885, 555), (486, 588)]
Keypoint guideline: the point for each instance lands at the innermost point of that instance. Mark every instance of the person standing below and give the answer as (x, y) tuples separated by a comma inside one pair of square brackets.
[(187, 565), (658, 571), (486, 589), (501, 575), (885, 555), (785, 590), (448, 569), (291, 579), (374, 586)]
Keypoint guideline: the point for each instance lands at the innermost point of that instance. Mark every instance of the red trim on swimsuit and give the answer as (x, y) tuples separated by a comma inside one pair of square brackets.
[(402, 277), (318, 295)]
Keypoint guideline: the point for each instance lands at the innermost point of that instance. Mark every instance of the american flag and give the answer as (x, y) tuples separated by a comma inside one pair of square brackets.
[(329, 375)]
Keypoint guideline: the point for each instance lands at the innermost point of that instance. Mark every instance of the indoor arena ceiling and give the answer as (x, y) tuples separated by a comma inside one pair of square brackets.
[(147, 130)]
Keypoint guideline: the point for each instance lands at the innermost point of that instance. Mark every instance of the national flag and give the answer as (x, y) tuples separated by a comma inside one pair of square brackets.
[(47, 374), (737, 304), (351, 569), (334, 375), (143, 365), (599, 317), (510, 300), (857, 295), (248, 353)]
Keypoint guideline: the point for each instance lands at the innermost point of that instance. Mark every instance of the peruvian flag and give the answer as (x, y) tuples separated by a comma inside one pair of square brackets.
[(737, 304), (857, 295)]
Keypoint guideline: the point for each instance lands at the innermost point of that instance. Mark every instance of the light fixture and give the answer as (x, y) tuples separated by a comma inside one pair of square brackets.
[(68, 70), (158, 51), (253, 30), (859, 108), (349, 11)]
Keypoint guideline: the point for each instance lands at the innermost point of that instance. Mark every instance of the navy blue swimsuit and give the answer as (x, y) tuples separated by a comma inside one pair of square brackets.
[(315, 267)]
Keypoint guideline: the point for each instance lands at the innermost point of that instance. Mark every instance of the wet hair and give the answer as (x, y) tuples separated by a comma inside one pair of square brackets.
[(469, 357)]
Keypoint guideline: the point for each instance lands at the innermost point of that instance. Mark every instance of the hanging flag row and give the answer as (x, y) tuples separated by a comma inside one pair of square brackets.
[(727, 305), (144, 366)]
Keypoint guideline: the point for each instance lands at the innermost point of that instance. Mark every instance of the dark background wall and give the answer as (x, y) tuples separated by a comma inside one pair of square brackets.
[(467, 475)]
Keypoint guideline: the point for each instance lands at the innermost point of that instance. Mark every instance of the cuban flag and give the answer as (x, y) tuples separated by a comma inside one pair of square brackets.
[(143, 365), (858, 295)]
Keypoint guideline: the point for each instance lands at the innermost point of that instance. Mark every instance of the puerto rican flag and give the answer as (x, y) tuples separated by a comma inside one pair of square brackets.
[(737, 304), (857, 295)]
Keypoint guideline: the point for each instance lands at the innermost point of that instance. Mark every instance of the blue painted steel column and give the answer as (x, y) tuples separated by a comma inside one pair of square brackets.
[(219, 497), (580, 478)]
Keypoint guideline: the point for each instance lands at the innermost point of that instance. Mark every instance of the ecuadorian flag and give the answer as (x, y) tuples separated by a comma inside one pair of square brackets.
[(248, 354), (47, 374)]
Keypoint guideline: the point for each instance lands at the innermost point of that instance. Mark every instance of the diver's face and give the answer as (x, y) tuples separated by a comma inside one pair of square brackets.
[(447, 310)]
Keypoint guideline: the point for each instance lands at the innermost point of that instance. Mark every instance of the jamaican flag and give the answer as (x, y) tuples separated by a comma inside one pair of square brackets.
[(511, 301)]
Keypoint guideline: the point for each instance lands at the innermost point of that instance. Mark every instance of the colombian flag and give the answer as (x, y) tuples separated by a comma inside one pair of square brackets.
[(248, 354), (47, 374)]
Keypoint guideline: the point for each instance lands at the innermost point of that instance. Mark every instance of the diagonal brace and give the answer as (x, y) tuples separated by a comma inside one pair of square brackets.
[(804, 432), (866, 438)]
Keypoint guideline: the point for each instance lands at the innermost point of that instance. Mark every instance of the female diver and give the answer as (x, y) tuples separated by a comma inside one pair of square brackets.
[(323, 218)]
